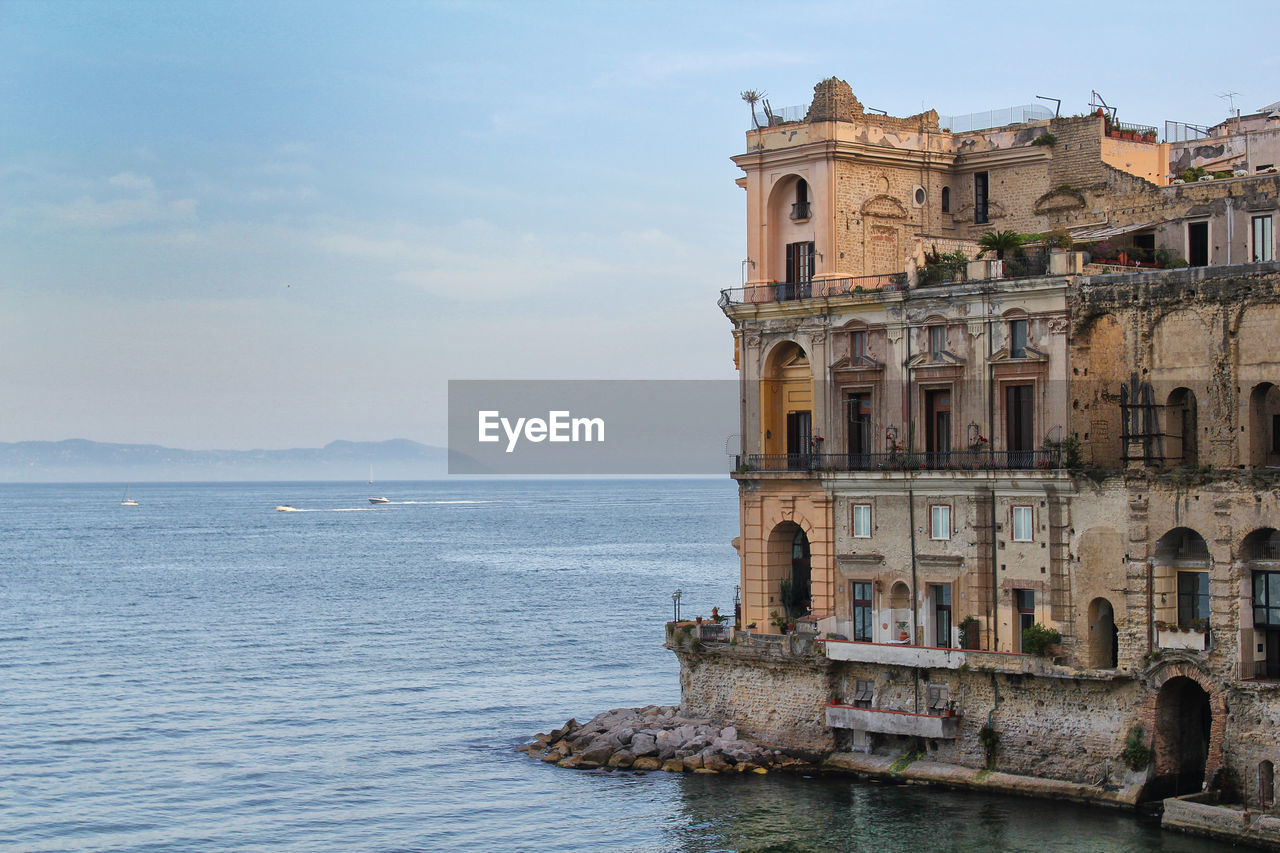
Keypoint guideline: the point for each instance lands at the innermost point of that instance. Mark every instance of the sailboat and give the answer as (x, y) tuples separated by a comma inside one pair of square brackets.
[(376, 500), (128, 501)]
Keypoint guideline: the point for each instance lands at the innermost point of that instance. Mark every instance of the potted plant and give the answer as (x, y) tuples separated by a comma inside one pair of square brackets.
[(902, 632)]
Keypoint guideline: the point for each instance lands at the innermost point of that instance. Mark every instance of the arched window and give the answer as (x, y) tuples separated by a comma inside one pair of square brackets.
[(946, 199)]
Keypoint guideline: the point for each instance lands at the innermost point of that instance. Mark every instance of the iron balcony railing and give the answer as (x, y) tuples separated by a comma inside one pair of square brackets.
[(949, 460), (790, 291)]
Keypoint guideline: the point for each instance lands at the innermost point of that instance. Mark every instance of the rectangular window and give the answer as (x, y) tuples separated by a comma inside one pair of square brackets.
[(863, 618), (940, 521), (1022, 524), (799, 270), (1198, 244), (862, 521), (1266, 599), (858, 344), (937, 342), (1024, 601), (1017, 339), (941, 614), (1263, 239), (980, 187), (937, 427), (859, 431), (1193, 599), (862, 693), (1019, 425)]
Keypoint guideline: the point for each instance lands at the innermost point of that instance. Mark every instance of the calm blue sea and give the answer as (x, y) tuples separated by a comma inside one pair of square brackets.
[(202, 672)]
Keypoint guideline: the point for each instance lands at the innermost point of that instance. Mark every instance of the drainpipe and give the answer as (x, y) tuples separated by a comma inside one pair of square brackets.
[(911, 518), (993, 614), (911, 503)]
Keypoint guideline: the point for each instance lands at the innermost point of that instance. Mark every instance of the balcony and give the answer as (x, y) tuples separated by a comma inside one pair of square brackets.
[(1189, 639), (893, 654), (792, 291), (953, 460), (892, 722)]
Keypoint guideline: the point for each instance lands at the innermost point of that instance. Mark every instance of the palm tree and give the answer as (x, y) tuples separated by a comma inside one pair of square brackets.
[(999, 242), (752, 97)]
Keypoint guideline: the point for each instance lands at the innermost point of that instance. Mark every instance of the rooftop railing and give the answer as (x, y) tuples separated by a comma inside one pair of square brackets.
[(947, 460), (791, 291)]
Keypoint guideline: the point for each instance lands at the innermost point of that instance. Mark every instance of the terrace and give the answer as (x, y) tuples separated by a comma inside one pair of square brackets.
[(951, 460)]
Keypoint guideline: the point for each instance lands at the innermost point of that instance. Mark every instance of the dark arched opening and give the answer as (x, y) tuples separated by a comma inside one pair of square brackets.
[(1264, 425), (1103, 636), (1183, 719)]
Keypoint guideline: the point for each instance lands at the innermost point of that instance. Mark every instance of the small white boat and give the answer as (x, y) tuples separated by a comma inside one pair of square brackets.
[(379, 501), (128, 501), (287, 508)]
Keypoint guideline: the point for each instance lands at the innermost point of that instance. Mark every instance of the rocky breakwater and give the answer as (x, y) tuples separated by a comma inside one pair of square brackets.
[(656, 737)]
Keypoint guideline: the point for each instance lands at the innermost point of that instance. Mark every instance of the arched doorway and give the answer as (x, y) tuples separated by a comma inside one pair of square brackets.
[(789, 572), (1103, 636), (786, 408), (1183, 720)]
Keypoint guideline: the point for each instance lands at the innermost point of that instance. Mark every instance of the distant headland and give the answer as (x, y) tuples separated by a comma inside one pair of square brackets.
[(80, 460)]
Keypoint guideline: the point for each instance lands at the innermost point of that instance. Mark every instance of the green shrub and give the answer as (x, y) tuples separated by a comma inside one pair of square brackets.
[(1045, 138), (1136, 753), (1037, 639), (990, 741)]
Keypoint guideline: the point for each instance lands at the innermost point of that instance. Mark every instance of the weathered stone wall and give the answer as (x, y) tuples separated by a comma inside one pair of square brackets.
[(1053, 728), (773, 700)]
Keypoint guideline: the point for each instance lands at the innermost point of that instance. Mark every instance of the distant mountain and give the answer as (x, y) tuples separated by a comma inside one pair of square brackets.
[(78, 460)]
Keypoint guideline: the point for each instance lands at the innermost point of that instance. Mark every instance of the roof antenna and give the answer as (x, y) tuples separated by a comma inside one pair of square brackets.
[(1057, 103)]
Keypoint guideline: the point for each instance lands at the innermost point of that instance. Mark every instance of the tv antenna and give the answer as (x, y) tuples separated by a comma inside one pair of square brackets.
[(1230, 98)]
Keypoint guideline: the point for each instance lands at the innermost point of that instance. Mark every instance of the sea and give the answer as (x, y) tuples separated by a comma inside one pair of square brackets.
[(203, 672)]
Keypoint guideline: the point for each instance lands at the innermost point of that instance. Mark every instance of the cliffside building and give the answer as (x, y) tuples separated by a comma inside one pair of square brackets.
[(936, 456)]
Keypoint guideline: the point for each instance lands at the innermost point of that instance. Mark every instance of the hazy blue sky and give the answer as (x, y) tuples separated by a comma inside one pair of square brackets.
[(243, 225)]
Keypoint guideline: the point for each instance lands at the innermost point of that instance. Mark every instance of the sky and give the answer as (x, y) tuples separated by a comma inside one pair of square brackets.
[(269, 225)]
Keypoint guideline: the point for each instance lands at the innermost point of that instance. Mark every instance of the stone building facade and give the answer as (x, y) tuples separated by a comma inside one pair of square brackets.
[(927, 472)]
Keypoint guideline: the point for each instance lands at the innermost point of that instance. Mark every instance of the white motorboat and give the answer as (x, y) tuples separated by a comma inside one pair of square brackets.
[(379, 500)]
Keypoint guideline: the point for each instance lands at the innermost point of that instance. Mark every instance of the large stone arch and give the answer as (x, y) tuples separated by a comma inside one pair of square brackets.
[(1099, 360), (1166, 714), (1099, 576)]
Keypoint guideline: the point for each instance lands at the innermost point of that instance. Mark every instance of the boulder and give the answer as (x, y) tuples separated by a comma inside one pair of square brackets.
[(647, 762), (622, 759), (644, 744), (715, 762), (597, 754), (692, 762), (729, 733), (673, 765)]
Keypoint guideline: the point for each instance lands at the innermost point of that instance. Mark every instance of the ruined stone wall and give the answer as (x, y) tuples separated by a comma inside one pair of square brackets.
[(1181, 328), (1077, 155)]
